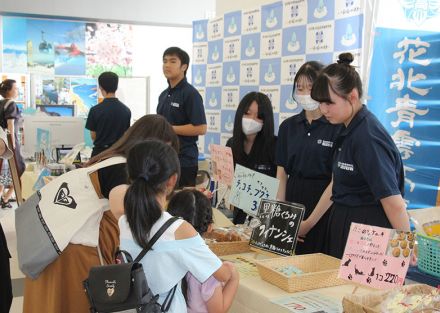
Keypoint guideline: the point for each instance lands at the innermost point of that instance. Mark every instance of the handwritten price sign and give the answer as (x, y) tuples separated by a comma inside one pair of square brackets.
[(249, 187), (222, 164), (377, 257)]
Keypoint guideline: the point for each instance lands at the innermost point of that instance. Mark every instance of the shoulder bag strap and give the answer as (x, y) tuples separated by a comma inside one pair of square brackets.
[(3, 107), (155, 238), (7, 104), (105, 163)]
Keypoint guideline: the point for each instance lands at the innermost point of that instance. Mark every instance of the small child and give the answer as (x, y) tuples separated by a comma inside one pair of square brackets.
[(209, 296)]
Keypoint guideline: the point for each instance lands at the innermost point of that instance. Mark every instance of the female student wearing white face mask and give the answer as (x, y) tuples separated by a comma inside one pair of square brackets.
[(253, 142), (304, 152)]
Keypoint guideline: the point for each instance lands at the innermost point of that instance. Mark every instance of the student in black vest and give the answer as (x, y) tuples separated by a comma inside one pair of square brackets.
[(368, 178), (253, 142), (182, 106), (304, 155), (108, 120)]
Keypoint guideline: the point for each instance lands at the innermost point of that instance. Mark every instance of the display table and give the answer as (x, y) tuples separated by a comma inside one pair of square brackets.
[(254, 295), (28, 179)]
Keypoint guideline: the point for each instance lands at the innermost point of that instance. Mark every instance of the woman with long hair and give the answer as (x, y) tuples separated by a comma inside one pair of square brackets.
[(59, 287), (253, 142)]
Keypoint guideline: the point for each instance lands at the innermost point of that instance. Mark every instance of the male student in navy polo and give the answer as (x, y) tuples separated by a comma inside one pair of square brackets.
[(182, 106), (109, 120)]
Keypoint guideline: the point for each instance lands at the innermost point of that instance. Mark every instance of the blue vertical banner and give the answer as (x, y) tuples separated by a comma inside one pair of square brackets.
[(405, 91), (262, 49)]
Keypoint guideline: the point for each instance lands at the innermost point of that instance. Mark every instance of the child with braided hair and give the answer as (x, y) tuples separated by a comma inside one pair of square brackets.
[(210, 296)]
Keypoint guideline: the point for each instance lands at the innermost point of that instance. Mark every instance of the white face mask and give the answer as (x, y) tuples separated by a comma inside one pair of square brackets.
[(306, 102), (251, 126)]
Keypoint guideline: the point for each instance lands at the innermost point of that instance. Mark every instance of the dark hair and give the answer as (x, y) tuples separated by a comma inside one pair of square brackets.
[(180, 54), (308, 70), (6, 86), (149, 164), (265, 138), (341, 77), (150, 126), (194, 207), (108, 81)]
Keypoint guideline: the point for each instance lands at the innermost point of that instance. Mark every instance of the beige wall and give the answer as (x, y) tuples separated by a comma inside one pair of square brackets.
[(153, 12), (223, 6)]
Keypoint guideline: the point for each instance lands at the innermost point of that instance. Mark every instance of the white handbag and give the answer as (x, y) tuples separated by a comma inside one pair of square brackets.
[(66, 210)]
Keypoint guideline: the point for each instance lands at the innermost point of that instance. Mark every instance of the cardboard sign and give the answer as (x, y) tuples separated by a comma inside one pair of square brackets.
[(377, 257), (249, 187), (276, 226), (309, 302), (222, 164)]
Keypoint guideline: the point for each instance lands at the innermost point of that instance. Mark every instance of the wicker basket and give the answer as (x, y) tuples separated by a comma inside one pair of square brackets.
[(229, 247), (371, 303), (319, 271)]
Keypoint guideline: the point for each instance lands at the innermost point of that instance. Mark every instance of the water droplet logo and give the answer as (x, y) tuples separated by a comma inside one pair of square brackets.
[(232, 28), (250, 50), (230, 78), (200, 34), (213, 100), (215, 55), (198, 79), (229, 126), (293, 44), (349, 38), (321, 10), (272, 20), (269, 76)]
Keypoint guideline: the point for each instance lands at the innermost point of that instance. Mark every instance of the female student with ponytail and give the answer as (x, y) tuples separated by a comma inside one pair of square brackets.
[(153, 170), (368, 177)]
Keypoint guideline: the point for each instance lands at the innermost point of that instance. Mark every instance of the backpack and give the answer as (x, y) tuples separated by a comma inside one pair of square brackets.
[(124, 287), (3, 107)]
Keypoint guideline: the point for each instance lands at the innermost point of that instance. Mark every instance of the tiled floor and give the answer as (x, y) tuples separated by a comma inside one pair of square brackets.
[(7, 218)]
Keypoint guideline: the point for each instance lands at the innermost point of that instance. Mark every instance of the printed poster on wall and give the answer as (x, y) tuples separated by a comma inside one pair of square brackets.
[(404, 92), (109, 48), (262, 48), (14, 45)]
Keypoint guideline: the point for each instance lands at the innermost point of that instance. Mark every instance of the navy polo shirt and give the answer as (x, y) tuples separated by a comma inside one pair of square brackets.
[(305, 150), (109, 119), (367, 165), (183, 105), (259, 158)]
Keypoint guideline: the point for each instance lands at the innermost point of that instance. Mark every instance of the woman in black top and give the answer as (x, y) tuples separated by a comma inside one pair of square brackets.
[(253, 142), (304, 151), (368, 177), (9, 119)]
